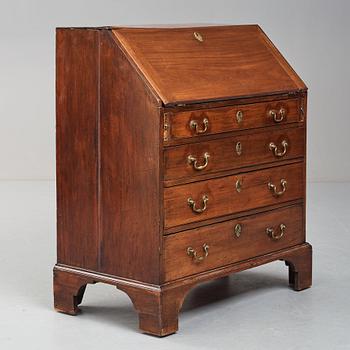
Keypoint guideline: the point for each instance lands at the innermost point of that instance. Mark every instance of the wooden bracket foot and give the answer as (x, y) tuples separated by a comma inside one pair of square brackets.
[(158, 306), (158, 309), (68, 291), (300, 267)]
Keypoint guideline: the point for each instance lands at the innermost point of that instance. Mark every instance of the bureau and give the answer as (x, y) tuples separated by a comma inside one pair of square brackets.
[(180, 159)]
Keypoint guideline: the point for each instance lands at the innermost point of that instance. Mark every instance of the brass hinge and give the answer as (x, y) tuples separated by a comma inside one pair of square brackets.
[(302, 108), (166, 127)]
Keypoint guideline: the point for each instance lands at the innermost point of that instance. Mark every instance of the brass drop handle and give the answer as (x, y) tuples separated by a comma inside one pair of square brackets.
[(277, 116), (195, 127), (274, 148), (198, 258), (192, 204), (272, 234), (193, 160), (273, 188)]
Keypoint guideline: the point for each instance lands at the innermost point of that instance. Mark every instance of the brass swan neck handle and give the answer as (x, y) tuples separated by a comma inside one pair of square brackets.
[(273, 188), (194, 125), (198, 258), (274, 148), (192, 204), (272, 233)]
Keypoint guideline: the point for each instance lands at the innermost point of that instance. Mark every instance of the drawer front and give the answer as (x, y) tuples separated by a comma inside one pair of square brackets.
[(231, 241), (187, 124), (203, 200), (233, 152)]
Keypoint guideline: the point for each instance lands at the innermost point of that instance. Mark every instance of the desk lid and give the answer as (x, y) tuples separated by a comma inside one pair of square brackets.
[(196, 64)]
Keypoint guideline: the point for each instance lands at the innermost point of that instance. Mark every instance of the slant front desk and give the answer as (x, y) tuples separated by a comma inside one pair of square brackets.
[(180, 159)]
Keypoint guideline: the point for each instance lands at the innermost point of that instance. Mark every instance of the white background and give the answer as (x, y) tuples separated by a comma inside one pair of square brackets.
[(314, 36)]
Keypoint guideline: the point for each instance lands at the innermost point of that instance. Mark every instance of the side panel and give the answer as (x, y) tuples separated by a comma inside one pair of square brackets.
[(77, 109), (130, 173)]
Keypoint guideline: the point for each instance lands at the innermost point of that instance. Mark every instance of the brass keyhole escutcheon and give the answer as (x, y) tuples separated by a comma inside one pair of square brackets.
[(238, 230), (239, 116), (239, 185), (198, 37), (238, 148)]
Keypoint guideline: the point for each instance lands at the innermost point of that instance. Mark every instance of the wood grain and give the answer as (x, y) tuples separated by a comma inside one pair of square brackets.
[(130, 173), (223, 155), (231, 62), (158, 307), (223, 119), (123, 216), (69, 291), (224, 198), (77, 118), (225, 248)]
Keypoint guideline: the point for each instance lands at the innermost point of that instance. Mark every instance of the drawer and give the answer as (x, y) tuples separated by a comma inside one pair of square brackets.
[(233, 152), (208, 199), (186, 124), (231, 241)]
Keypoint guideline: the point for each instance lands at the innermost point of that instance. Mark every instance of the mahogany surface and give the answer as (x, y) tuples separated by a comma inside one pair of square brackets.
[(224, 119), (125, 101), (223, 198), (182, 69), (76, 152), (225, 247), (254, 149), (130, 185)]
